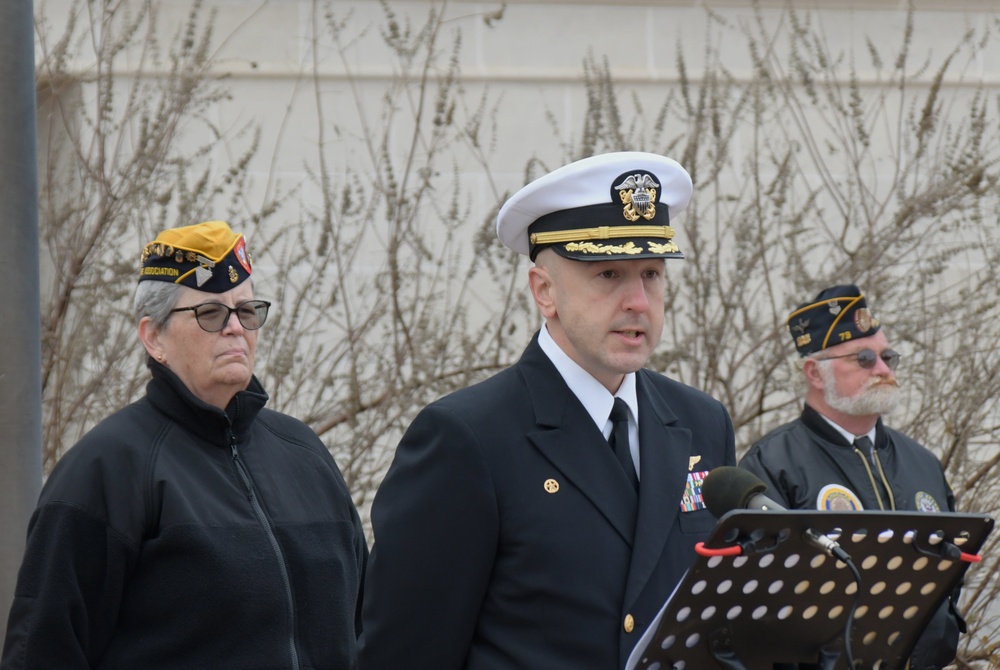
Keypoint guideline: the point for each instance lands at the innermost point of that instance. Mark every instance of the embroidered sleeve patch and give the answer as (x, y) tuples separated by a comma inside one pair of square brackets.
[(925, 502)]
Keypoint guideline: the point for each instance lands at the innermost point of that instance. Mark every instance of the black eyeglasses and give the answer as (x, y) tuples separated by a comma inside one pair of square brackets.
[(866, 358), (213, 316)]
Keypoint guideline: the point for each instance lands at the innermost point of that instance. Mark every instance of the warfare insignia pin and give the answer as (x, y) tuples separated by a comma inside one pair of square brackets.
[(834, 307)]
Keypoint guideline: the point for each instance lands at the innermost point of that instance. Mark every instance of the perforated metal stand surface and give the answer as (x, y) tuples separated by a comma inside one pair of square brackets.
[(785, 601)]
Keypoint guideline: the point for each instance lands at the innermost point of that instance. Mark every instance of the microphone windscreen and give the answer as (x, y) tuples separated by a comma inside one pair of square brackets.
[(727, 488)]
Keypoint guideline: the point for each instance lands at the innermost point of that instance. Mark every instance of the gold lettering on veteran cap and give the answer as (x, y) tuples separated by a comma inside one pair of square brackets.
[(551, 486), (693, 461), (155, 271), (803, 340), (590, 248)]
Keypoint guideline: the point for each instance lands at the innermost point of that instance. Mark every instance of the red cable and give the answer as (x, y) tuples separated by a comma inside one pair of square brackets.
[(726, 551)]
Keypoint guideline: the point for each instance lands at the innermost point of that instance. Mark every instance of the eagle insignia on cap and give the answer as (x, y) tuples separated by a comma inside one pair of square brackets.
[(638, 194)]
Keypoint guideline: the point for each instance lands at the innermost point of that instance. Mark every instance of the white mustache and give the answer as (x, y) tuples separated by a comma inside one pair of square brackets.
[(882, 381)]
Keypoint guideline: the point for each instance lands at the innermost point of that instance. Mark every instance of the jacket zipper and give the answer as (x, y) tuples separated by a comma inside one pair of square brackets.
[(871, 478), (885, 482), (266, 525)]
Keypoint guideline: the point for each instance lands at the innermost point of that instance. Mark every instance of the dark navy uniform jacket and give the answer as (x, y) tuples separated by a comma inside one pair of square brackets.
[(807, 464), (507, 536)]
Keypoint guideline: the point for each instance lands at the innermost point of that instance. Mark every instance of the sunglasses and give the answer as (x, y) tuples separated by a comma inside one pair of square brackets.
[(213, 316), (866, 358)]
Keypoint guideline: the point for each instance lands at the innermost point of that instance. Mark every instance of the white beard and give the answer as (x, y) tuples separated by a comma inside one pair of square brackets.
[(878, 398)]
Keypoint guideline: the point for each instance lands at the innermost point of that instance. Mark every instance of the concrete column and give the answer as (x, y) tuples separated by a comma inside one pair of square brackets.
[(20, 314)]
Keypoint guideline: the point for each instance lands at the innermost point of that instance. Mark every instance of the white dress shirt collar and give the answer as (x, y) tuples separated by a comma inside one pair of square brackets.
[(595, 398), (849, 436)]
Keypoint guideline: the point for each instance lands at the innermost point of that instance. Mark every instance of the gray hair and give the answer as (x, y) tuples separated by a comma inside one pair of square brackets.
[(155, 299)]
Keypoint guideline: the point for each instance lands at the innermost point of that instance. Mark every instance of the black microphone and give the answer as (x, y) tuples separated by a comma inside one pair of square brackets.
[(729, 488)]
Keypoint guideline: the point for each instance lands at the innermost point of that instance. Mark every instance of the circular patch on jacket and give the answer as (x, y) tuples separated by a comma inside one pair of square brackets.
[(925, 502), (836, 498)]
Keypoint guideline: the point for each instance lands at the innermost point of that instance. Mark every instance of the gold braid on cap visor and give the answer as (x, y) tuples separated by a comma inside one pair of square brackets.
[(601, 233)]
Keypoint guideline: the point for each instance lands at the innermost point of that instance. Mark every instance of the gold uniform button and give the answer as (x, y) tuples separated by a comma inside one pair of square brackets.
[(629, 623), (551, 485)]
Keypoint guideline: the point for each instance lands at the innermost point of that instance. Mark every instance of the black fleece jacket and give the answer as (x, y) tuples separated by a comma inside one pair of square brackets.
[(176, 535)]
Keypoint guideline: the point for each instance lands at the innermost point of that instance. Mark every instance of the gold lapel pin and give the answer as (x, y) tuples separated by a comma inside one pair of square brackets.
[(551, 486), (692, 462)]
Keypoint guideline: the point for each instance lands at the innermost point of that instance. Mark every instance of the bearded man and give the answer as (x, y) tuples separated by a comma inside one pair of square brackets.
[(838, 455)]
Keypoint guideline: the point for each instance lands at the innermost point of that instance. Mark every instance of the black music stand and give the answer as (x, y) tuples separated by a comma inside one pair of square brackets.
[(782, 600)]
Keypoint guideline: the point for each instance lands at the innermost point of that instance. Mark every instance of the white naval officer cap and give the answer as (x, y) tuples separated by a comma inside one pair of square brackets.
[(607, 207)]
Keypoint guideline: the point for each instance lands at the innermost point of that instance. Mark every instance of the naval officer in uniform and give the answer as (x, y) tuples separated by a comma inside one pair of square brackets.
[(541, 518)]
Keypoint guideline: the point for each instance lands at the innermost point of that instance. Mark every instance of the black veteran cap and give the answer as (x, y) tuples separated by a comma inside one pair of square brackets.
[(206, 256), (838, 314), (606, 207)]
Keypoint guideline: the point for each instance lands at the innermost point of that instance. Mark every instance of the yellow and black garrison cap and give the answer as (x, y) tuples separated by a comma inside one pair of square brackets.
[(207, 256), (607, 207), (838, 314)]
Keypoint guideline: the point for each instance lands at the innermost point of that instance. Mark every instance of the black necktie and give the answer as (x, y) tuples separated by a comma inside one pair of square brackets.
[(619, 440), (866, 447)]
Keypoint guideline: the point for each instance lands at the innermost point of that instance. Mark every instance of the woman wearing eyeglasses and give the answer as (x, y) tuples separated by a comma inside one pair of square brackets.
[(839, 455), (194, 528)]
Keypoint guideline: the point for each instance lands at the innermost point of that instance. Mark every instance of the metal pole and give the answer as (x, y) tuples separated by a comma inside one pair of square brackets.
[(20, 314)]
